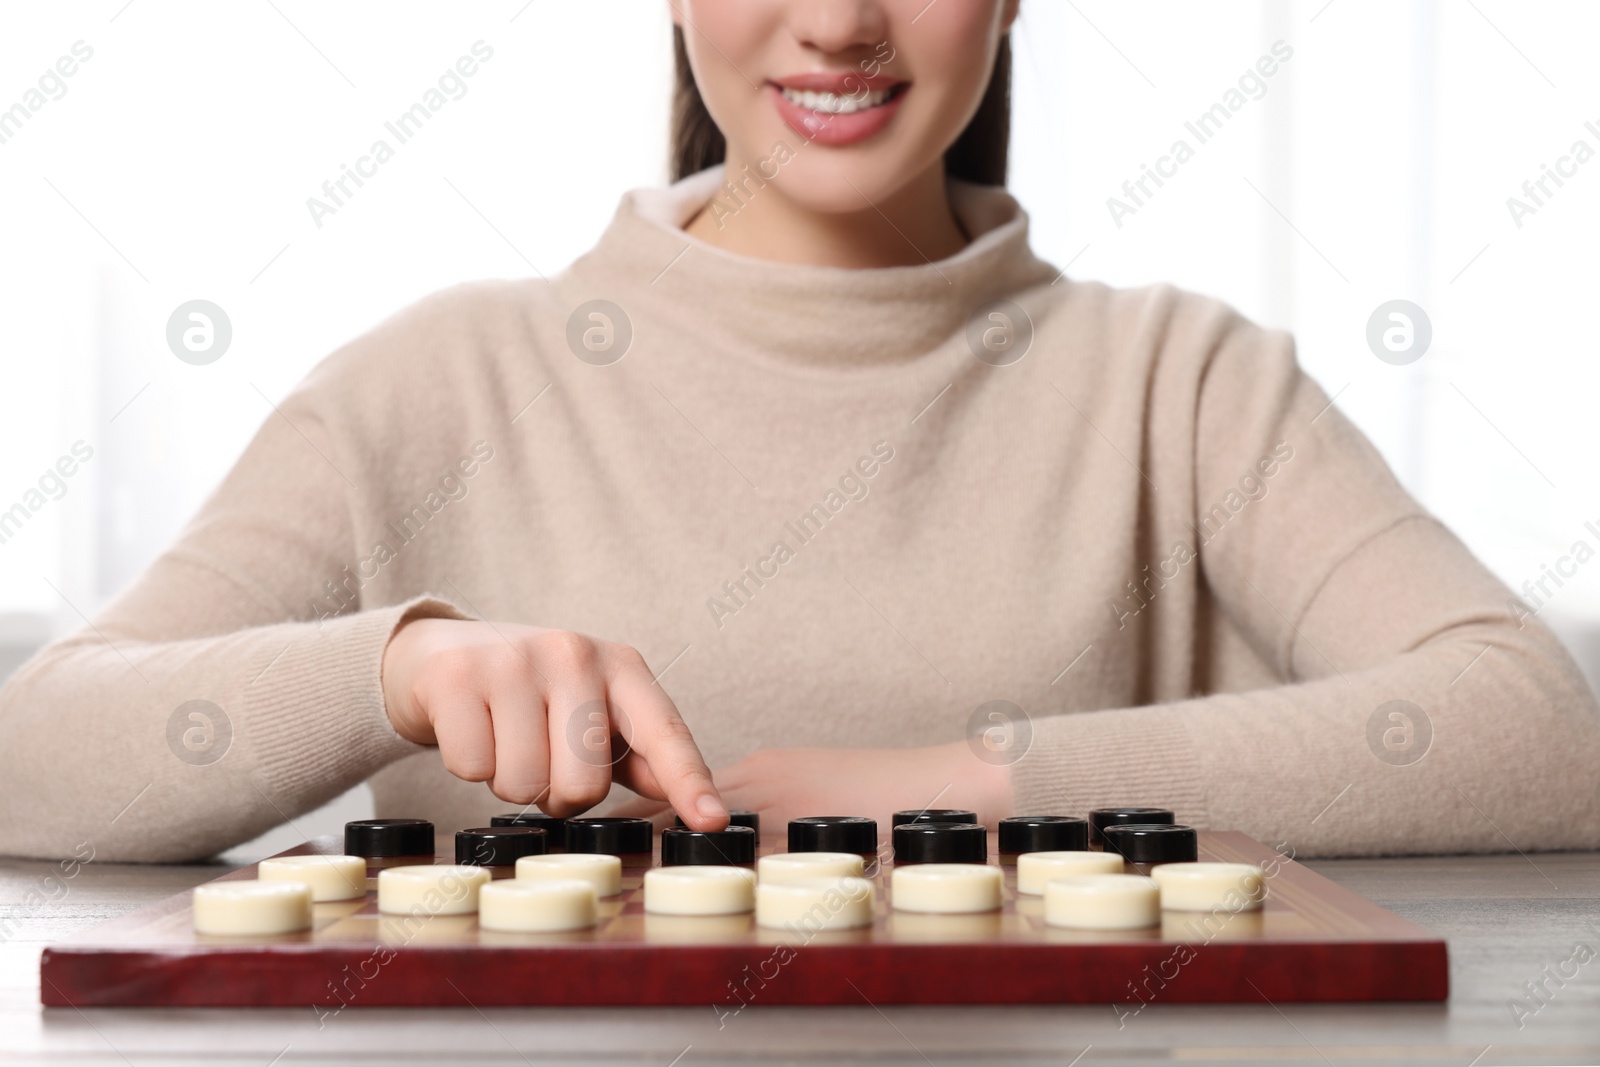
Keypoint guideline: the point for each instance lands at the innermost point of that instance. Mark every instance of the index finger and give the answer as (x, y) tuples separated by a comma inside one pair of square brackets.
[(661, 738)]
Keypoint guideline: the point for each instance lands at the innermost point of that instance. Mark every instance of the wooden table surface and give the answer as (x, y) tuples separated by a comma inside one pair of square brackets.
[(1510, 920)]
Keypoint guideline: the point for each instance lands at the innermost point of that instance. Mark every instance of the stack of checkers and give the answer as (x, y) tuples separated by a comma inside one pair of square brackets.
[(531, 872)]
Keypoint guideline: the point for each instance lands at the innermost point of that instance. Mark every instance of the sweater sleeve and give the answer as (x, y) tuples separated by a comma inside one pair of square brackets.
[(1422, 710), (214, 698)]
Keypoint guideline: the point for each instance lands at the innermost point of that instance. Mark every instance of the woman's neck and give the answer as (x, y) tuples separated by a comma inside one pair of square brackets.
[(912, 226)]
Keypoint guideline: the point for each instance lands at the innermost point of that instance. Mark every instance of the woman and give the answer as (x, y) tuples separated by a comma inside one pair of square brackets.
[(900, 517)]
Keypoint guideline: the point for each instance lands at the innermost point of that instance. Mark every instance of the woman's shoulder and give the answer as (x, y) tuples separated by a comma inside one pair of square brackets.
[(462, 345), (412, 390), (1164, 328), (1159, 314), (449, 327)]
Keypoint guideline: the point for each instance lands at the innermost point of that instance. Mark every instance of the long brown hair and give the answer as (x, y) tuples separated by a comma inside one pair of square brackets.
[(978, 155)]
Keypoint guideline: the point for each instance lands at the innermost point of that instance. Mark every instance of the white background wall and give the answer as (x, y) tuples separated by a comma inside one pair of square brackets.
[(1376, 165)]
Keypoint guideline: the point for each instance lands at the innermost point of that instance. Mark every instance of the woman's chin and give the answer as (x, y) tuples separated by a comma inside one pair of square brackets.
[(840, 182)]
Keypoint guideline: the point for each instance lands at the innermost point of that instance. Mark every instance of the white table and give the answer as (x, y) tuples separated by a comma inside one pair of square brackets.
[(1506, 918)]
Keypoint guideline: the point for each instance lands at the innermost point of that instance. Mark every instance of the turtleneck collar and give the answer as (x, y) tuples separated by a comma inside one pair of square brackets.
[(801, 314)]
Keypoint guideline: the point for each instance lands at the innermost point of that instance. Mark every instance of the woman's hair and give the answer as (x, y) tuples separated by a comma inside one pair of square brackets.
[(978, 155)]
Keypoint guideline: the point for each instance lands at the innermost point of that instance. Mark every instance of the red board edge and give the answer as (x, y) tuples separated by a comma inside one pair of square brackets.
[(726, 977)]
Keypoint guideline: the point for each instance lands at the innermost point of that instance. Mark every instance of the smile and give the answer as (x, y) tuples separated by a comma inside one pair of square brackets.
[(840, 103), (834, 116)]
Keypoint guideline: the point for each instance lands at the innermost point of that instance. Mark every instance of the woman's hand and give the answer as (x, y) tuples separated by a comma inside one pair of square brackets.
[(789, 783), (545, 717)]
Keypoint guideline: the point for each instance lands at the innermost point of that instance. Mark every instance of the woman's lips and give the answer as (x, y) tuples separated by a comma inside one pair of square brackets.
[(835, 128)]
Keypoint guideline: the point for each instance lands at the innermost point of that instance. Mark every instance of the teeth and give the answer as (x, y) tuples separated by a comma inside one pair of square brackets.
[(837, 103)]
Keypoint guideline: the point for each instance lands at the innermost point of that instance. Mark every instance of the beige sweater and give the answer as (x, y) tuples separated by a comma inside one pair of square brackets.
[(800, 489)]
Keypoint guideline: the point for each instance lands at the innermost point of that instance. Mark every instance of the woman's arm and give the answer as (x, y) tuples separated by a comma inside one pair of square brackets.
[(1358, 599), (1340, 583), (219, 695), (1420, 729), (252, 673)]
